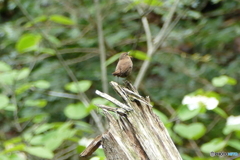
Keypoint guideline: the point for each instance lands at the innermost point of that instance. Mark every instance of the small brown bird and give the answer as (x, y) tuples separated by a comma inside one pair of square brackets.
[(124, 66)]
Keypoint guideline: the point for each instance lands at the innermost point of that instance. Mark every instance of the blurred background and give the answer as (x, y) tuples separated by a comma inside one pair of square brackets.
[(55, 54)]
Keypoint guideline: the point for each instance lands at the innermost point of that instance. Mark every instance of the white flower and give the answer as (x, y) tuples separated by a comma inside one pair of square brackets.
[(211, 103), (191, 102), (233, 120), (194, 102)]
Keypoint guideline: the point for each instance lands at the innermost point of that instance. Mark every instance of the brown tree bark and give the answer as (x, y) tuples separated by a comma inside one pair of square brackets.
[(135, 132)]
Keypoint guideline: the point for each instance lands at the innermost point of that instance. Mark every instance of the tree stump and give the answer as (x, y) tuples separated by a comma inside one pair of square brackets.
[(135, 132)]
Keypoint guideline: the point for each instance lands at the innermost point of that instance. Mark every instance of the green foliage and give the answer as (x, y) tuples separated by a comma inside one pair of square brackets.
[(98, 158), (223, 80), (76, 111), (4, 101), (185, 114), (235, 143), (162, 117), (80, 86), (40, 152), (42, 84), (112, 59), (61, 19), (4, 67), (214, 145), (28, 42), (220, 112), (36, 103), (230, 128), (193, 131), (139, 55)]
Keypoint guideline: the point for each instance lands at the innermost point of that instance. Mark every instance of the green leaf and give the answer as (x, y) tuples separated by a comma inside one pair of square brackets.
[(28, 42), (7, 78), (148, 2), (99, 100), (112, 59), (100, 153), (40, 118), (186, 157), (80, 86), (153, 2), (220, 112), (231, 81), (76, 111), (12, 141), (66, 130), (40, 152), (235, 143), (12, 156), (40, 19), (36, 103), (61, 19), (230, 128), (3, 101), (43, 128), (37, 140), (194, 14), (219, 81), (10, 107), (24, 119), (162, 116), (54, 40), (23, 73), (223, 80), (4, 67), (215, 1), (52, 140), (15, 147), (139, 55), (47, 51), (36, 20), (98, 158), (42, 84), (214, 145), (21, 89), (193, 131), (185, 114)]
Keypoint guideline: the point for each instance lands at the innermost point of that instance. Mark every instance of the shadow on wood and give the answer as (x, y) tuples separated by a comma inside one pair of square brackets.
[(135, 132)]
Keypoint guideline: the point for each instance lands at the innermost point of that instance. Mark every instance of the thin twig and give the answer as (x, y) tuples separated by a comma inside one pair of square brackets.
[(65, 153), (166, 24), (157, 42), (101, 47), (15, 113), (112, 109), (113, 100), (62, 95), (197, 149), (146, 29)]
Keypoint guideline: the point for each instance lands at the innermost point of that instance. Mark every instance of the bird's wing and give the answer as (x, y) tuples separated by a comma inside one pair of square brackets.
[(125, 66)]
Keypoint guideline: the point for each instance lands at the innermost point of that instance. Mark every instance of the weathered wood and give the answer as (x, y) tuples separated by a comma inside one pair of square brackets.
[(135, 132), (92, 147)]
